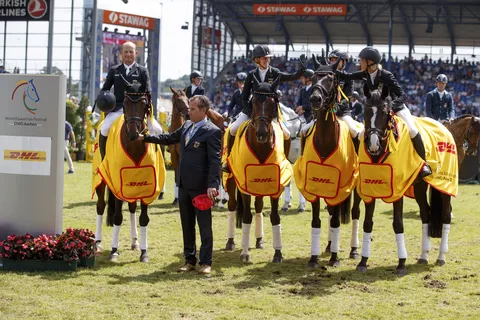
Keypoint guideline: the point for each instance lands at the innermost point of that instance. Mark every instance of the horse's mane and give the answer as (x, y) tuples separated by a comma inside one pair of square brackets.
[(463, 116)]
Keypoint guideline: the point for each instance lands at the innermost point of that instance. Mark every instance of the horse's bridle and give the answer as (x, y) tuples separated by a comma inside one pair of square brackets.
[(183, 111), (466, 143), (382, 134), (139, 122), (265, 119), (330, 101)]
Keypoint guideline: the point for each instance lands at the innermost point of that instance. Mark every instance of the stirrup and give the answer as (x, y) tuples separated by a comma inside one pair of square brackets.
[(426, 171), (226, 168)]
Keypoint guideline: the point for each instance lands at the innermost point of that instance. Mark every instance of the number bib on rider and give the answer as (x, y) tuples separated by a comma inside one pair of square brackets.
[(262, 179), (322, 180), (376, 180), (138, 182)]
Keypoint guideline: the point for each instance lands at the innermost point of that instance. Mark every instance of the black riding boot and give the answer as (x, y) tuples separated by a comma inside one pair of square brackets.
[(420, 148), (231, 140), (102, 145)]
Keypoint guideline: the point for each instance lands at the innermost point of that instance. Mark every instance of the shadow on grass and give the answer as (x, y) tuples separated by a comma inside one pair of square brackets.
[(74, 205), (412, 214)]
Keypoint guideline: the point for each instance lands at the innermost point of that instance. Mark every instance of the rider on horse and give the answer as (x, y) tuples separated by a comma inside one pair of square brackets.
[(236, 104), (195, 89), (129, 71), (374, 77), (264, 73), (304, 108)]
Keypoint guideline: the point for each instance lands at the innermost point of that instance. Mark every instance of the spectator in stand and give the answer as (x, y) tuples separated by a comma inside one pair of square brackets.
[(439, 103)]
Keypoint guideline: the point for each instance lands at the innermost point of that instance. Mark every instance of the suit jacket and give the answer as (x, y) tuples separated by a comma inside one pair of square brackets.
[(272, 74), (138, 74), (200, 91), (439, 108), (383, 77), (200, 159), (235, 106), (304, 101)]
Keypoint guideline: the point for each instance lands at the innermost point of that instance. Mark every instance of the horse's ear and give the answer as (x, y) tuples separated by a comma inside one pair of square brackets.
[(185, 90), (275, 84), (385, 92), (335, 65), (316, 64), (173, 90), (366, 91)]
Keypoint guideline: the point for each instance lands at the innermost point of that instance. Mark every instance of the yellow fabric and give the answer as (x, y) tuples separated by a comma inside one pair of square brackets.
[(391, 179), (332, 179), (225, 175), (253, 177), (127, 180)]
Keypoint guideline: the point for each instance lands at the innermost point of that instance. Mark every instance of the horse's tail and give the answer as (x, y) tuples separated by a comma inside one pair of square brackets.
[(345, 210), (239, 210), (436, 209), (110, 207)]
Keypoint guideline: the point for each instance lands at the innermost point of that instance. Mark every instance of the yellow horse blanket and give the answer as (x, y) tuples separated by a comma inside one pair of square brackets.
[(390, 179), (255, 178), (128, 180), (332, 179), (225, 175)]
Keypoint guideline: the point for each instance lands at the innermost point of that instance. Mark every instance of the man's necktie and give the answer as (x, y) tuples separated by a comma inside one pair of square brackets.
[(189, 134), (127, 71)]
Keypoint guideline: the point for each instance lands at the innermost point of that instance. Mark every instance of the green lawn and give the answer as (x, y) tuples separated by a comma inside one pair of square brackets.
[(261, 290)]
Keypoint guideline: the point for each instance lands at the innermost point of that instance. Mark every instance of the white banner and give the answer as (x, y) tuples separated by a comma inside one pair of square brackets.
[(25, 155)]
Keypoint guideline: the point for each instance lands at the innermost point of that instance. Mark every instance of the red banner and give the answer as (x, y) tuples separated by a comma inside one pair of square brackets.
[(128, 20), (301, 9)]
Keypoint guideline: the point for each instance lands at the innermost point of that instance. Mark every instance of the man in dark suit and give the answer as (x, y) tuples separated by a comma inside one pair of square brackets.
[(439, 103), (195, 89), (304, 108), (134, 74), (198, 173)]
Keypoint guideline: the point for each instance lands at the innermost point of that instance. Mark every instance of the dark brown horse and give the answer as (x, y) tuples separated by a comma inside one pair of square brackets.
[(435, 217), (466, 132)]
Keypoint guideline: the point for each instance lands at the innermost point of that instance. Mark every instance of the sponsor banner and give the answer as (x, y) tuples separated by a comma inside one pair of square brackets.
[(25, 155), (24, 10), (301, 9), (128, 20)]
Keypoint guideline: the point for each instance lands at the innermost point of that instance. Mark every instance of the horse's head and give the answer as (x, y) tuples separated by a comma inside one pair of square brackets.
[(180, 102), (324, 87), (136, 106), (472, 137), (31, 92), (264, 103), (378, 118)]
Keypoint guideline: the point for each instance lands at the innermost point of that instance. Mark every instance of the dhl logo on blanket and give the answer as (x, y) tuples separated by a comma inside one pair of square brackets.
[(393, 178), (255, 178), (332, 178), (126, 179)]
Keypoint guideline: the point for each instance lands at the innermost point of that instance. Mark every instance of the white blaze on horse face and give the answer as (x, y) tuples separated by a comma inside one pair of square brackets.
[(374, 144)]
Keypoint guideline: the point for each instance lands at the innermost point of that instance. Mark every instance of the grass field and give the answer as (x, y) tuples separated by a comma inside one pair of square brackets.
[(261, 290)]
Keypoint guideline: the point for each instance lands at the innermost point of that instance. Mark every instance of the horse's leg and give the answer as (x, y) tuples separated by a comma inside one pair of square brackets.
[(316, 228), (334, 214), (301, 203), (288, 198), (117, 222), (232, 206), (276, 231), (259, 222), (355, 225), (101, 204), (367, 236), (420, 191), (246, 224), (446, 211), (132, 207), (399, 236), (329, 234), (144, 220)]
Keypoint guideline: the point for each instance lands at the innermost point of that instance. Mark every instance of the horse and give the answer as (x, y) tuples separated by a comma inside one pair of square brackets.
[(380, 138), (327, 137), (466, 132)]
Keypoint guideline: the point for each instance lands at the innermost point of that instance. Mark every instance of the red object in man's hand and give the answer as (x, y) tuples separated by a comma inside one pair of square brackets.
[(203, 202)]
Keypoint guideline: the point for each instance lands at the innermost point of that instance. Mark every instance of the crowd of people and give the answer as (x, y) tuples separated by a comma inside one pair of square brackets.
[(417, 78)]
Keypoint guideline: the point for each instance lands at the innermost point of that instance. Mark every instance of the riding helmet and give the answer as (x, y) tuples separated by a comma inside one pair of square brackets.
[(261, 51), (370, 53), (241, 76), (196, 74), (106, 101), (338, 54), (279, 93), (308, 73), (441, 78), (356, 95)]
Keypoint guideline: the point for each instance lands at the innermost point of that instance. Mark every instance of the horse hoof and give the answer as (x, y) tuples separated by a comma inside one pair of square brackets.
[(175, 202), (334, 263), (144, 258), (160, 197), (224, 201), (277, 259), (313, 264), (284, 209), (135, 245), (401, 271), (327, 250), (113, 256), (354, 255), (98, 248), (260, 244), (440, 263), (245, 258), (300, 210), (230, 246), (422, 261), (362, 269)]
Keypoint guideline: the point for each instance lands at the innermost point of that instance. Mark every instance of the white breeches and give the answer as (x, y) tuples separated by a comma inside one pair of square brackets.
[(406, 116), (283, 125), (306, 127), (353, 125), (108, 121), (242, 117)]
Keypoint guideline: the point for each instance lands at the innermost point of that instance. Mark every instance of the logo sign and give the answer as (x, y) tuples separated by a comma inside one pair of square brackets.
[(128, 20), (27, 93), (374, 181), (301, 9), (322, 180), (25, 155), (25, 10), (137, 184), (446, 147), (262, 180)]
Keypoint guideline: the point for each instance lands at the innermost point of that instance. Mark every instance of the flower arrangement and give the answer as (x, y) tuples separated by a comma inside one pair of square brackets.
[(70, 246)]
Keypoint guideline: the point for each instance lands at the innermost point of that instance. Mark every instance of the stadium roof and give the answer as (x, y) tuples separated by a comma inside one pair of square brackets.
[(451, 22)]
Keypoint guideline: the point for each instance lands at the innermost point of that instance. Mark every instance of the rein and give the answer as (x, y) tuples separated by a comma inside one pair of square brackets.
[(267, 120), (135, 97)]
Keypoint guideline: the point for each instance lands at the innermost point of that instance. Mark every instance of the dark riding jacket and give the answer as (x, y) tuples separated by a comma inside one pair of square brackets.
[(199, 91), (138, 74), (439, 108), (271, 75), (236, 104), (383, 77), (344, 107), (304, 101)]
